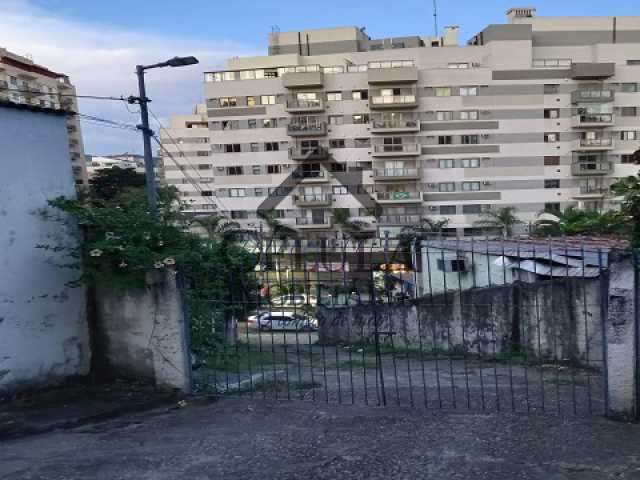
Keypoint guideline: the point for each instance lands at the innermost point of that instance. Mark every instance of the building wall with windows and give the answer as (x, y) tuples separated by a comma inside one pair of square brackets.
[(24, 82), (395, 130)]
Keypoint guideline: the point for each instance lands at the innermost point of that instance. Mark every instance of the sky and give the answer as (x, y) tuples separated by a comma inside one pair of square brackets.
[(98, 43)]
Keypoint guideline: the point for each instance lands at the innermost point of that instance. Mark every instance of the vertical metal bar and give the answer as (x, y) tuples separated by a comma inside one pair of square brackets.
[(380, 374), (493, 329), (307, 281), (636, 334), (463, 324), (480, 348), (554, 329), (450, 353), (572, 361), (270, 323), (434, 347), (510, 351), (258, 310), (304, 316), (586, 330), (414, 262), (387, 309), (322, 348), (539, 333), (604, 312), (523, 347), (345, 245), (361, 247), (284, 329)]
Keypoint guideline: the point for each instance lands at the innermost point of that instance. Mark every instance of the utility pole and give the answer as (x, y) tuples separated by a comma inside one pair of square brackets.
[(147, 133)]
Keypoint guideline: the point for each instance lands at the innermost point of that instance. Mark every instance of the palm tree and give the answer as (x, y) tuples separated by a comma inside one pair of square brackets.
[(503, 218), (574, 221), (217, 226), (427, 228), (356, 229)]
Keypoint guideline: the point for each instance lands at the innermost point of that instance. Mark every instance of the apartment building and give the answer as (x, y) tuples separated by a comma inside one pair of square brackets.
[(537, 113), (24, 82)]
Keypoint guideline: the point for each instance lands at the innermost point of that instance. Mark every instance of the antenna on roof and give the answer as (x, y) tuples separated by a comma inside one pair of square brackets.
[(435, 18)]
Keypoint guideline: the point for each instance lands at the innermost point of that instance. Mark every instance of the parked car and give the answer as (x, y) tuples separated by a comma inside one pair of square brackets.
[(287, 321)]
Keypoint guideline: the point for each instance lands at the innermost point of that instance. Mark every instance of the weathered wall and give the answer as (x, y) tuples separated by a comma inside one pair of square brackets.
[(43, 329), (141, 334), (551, 319)]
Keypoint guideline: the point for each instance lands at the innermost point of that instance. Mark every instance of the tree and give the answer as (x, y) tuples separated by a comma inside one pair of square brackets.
[(503, 218), (355, 229), (574, 221), (629, 189), (427, 228), (217, 226), (106, 183), (277, 229)]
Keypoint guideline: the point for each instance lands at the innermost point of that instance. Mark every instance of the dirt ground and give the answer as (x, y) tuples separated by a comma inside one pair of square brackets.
[(265, 439)]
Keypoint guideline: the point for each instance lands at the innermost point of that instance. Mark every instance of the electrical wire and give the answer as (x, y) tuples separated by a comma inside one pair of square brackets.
[(56, 94)]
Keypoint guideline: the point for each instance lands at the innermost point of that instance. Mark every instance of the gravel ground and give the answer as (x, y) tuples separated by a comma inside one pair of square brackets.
[(251, 439)]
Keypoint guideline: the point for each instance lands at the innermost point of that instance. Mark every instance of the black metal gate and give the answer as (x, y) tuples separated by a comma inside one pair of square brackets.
[(445, 323)]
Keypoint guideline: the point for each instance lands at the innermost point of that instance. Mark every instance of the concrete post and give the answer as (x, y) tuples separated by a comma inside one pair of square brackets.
[(620, 345)]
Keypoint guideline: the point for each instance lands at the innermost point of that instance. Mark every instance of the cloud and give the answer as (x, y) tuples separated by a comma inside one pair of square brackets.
[(101, 59)]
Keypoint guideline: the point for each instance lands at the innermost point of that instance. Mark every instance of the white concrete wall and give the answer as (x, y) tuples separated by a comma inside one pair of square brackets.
[(142, 333), (43, 330)]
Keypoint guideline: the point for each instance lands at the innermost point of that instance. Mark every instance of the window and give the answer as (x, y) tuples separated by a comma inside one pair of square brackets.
[(360, 118), (360, 94), (232, 148), (468, 91), (202, 154), (256, 169), (258, 192), (445, 163), (626, 158), (451, 265), (334, 96), (629, 87), (338, 167), (336, 69), (271, 146), (551, 62), (267, 100), (340, 190), (470, 186), (239, 214), (629, 111), (469, 115), (444, 116), (252, 123), (362, 143), (230, 124), (551, 113), (13, 80), (471, 209), (247, 74), (551, 88), (228, 102), (551, 160), (204, 166), (469, 139), (237, 192), (269, 123), (554, 183), (470, 163), (336, 119), (447, 209), (336, 143), (551, 137), (251, 101), (553, 207), (458, 65), (443, 91), (234, 170), (445, 139), (629, 135), (274, 169), (204, 193), (447, 187), (633, 62)]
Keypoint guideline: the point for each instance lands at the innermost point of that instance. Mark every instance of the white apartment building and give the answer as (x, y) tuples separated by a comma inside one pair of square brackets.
[(538, 113), (26, 83)]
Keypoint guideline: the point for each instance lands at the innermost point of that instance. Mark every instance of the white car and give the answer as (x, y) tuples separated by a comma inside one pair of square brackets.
[(287, 321)]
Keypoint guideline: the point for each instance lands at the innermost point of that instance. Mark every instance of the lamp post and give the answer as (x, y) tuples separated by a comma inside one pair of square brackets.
[(147, 133)]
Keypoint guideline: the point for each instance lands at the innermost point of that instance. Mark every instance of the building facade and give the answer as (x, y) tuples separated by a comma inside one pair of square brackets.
[(537, 113), (24, 82)]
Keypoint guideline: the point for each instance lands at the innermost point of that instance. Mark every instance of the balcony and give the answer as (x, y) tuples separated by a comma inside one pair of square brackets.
[(399, 150), (315, 223), (307, 130), (313, 176), (592, 96), (593, 144), (592, 71), (593, 120), (302, 79), (394, 126), (591, 167), (394, 174), (393, 101), (320, 200), (399, 219), (396, 71), (308, 153), (296, 105), (399, 197), (589, 192)]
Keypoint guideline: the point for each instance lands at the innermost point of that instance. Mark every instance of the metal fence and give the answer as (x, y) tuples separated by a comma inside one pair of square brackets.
[(455, 323)]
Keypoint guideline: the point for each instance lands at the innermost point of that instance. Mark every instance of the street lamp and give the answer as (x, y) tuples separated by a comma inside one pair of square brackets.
[(147, 133)]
